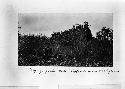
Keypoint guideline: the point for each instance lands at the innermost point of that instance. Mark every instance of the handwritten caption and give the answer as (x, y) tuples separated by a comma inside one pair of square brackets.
[(76, 71)]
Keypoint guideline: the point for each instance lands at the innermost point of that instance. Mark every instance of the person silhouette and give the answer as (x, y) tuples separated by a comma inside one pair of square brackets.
[(88, 31)]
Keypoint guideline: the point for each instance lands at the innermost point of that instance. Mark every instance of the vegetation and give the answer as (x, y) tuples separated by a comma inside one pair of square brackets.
[(76, 47)]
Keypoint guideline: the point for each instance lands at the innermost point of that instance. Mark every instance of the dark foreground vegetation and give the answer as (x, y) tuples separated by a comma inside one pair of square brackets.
[(76, 47)]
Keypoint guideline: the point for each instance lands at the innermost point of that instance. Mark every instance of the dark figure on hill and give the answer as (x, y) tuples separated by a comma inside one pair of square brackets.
[(88, 31)]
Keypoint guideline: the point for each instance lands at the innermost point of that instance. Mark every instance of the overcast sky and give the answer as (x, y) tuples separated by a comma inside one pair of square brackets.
[(48, 23)]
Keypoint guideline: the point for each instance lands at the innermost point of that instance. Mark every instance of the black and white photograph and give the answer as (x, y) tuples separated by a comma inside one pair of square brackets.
[(65, 39), (62, 44)]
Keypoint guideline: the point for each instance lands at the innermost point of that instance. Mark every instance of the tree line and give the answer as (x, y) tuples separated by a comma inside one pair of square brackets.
[(75, 47)]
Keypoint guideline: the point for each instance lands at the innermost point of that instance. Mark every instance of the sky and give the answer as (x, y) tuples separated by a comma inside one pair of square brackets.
[(47, 23)]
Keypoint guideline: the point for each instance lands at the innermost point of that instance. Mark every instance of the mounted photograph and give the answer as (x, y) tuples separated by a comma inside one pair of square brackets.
[(65, 39)]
